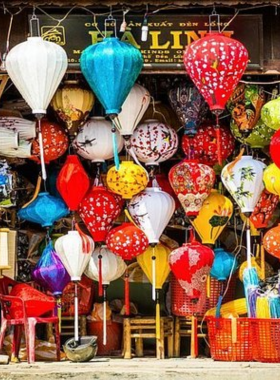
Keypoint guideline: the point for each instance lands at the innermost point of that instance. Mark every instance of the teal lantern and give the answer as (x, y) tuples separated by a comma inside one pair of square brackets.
[(224, 264), (44, 210), (111, 68)]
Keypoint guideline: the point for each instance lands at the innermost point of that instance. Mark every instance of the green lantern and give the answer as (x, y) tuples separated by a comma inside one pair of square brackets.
[(271, 114)]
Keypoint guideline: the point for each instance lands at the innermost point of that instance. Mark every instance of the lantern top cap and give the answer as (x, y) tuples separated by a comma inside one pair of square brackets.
[(73, 233), (43, 193), (97, 118)]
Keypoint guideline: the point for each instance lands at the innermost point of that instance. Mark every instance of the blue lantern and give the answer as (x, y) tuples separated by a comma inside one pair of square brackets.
[(44, 210), (224, 263), (111, 68)]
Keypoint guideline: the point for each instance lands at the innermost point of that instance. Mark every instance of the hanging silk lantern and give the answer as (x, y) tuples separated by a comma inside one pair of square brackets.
[(203, 146), (161, 180), (72, 103), (133, 109), (128, 181), (275, 147), (245, 106), (72, 182), (127, 241), (49, 272), (98, 210), (44, 210), (213, 216), (94, 140), (224, 264), (111, 68), (151, 211), (271, 179), (25, 128), (243, 178), (264, 209), (154, 142), (55, 142), (271, 241), (270, 114), (163, 113), (192, 183), (8, 140), (189, 105), (191, 265)]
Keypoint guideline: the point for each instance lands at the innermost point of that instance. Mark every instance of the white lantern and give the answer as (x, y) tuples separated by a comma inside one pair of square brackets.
[(94, 140), (22, 151), (25, 128), (74, 251), (154, 142), (151, 211), (133, 109), (244, 181), (8, 139)]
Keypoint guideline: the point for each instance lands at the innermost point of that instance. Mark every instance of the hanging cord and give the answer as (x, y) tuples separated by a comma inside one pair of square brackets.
[(3, 58)]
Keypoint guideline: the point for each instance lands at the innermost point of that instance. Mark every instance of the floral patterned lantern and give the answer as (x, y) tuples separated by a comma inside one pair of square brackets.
[(270, 114), (264, 209), (243, 178), (271, 241), (55, 142), (192, 183), (128, 181), (271, 179), (203, 146), (213, 217), (98, 210), (274, 148), (154, 142)]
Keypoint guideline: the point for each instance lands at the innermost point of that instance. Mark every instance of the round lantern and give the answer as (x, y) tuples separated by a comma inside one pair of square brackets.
[(25, 128), (203, 146), (129, 180), (192, 183), (243, 178), (213, 216), (127, 241), (55, 142), (111, 68), (72, 103), (189, 105), (163, 113), (264, 209), (274, 148), (151, 211), (98, 210), (270, 114), (271, 241), (133, 109), (224, 264), (191, 265), (271, 179), (215, 64), (72, 182), (154, 142), (94, 140)]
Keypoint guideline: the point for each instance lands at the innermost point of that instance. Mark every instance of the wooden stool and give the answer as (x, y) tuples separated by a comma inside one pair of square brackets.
[(67, 327), (139, 328), (187, 326)]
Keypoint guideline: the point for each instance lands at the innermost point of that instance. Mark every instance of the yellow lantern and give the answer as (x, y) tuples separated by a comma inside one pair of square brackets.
[(128, 181), (256, 263), (72, 103), (271, 178), (254, 231), (213, 217)]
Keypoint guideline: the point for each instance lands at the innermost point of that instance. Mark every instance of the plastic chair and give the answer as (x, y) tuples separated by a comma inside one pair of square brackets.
[(13, 313)]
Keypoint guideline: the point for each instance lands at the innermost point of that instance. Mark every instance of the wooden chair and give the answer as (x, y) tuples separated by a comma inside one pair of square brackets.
[(140, 328)]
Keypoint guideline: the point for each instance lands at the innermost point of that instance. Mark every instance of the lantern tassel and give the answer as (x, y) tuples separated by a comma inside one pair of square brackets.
[(76, 319), (100, 291), (157, 315), (262, 262), (154, 275), (41, 144), (115, 147), (104, 315), (58, 308), (126, 293), (218, 136), (208, 286)]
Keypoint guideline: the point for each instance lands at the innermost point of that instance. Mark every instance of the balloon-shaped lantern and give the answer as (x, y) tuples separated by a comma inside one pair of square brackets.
[(224, 265), (271, 241), (98, 210), (264, 209), (274, 148), (94, 140), (154, 142), (271, 179), (203, 146), (213, 217), (192, 183), (25, 128), (270, 114), (161, 180), (128, 181), (72, 103), (36, 68), (151, 211), (72, 182), (189, 105)]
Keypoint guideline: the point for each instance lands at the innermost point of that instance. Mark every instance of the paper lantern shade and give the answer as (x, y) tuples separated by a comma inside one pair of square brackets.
[(264, 209), (271, 179), (161, 180), (25, 128), (270, 114), (274, 148), (72, 182), (224, 264), (111, 68), (271, 241)]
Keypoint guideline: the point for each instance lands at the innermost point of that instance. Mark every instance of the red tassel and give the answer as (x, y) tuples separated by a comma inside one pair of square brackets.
[(126, 293), (218, 136), (100, 290)]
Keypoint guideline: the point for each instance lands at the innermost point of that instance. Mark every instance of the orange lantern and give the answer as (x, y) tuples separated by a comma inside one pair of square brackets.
[(271, 241)]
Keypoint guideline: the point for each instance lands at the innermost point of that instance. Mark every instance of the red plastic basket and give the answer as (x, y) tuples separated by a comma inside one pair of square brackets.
[(230, 339)]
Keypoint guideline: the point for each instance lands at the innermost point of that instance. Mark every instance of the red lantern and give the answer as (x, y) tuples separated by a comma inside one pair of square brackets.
[(271, 241), (274, 148), (127, 241), (191, 264), (203, 146), (99, 209), (55, 142), (264, 209), (160, 180), (192, 183), (72, 182)]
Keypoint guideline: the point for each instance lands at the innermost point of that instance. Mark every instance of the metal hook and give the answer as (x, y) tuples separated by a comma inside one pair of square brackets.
[(110, 19)]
